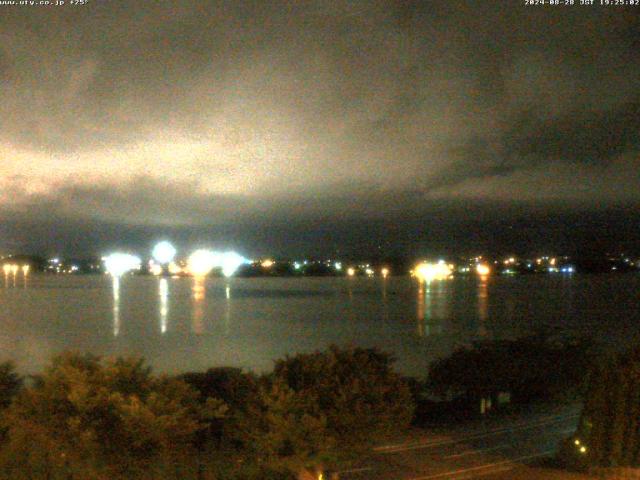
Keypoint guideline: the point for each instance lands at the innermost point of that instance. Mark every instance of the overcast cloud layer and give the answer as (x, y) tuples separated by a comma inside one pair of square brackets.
[(216, 119)]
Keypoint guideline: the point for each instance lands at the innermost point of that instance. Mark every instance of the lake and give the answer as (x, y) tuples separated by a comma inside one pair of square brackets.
[(182, 324)]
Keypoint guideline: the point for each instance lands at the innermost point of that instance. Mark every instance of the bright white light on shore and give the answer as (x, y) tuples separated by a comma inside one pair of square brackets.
[(351, 271), (483, 270), (174, 268), (163, 252), (338, 266), (155, 269), (230, 262), (118, 264), (6, 268), (201, 262), (433, 271), (14, 269)]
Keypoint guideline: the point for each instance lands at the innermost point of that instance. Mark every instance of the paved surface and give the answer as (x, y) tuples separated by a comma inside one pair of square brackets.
[(499, 448)]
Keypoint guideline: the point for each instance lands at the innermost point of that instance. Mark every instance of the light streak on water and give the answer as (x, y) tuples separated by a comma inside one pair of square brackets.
[(116, 305), (163, 288), (199, 293)]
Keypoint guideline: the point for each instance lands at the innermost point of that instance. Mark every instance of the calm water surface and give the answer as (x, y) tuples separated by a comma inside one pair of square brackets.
[(181, 324)]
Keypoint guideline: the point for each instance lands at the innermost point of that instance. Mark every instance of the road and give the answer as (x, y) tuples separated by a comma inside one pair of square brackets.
[(485, 449)]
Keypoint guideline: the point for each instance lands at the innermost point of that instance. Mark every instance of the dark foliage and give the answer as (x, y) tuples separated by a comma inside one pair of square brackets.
[(610, 423), (529, 368), (88, 418), (356, 389), (10, 383)]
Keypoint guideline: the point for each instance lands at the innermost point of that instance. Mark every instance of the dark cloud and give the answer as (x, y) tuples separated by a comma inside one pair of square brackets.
[(225, 115)]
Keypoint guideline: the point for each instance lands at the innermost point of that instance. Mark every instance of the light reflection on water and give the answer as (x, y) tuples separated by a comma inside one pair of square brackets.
[(195, 323), (115, 286), (199, 293), (483, 305), (163, 293)]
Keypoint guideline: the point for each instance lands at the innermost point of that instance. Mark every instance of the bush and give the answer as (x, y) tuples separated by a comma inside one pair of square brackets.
[(284, 430), (355, 389), (91, 419), (530, 368), (10, 384), (237, 389)]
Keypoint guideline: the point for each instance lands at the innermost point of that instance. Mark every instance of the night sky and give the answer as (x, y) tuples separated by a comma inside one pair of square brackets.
[(320, 127)]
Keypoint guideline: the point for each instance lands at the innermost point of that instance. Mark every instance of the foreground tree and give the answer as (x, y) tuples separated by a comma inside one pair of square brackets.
[(529, 368), (355, 389), (609, 430), (87, 418), (10, 384), (237, 389), (283, 432)]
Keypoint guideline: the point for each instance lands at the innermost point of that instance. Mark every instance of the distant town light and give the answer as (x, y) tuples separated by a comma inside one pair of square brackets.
[(201, 262), (384, 272), (338, 266), (267, 263), (118, 264), (483, 270), (433, 271), (6, 268), (155, 269), (230, 262), (174, 268), (351, 271), (163, 252), (25, 269)]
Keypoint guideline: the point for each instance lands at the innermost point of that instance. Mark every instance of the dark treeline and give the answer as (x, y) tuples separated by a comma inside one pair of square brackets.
[(90, 418)]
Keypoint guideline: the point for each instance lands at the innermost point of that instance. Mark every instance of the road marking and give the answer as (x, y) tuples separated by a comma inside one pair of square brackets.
[(477, 452), (504, 463), (436, 443)]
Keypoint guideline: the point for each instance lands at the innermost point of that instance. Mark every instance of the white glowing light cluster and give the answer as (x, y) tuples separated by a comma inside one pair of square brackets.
[(118, 264), (433, 271), (163, 252), (201, 262)]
